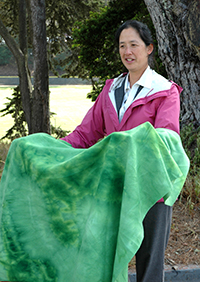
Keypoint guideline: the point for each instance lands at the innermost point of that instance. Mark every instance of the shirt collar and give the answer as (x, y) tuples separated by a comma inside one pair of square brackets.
[(118, 81)]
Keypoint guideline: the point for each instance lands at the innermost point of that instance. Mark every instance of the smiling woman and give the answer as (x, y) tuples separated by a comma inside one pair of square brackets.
[(141, 95)]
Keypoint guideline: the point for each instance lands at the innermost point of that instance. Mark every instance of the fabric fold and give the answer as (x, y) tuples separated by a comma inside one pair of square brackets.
[(76, 214)]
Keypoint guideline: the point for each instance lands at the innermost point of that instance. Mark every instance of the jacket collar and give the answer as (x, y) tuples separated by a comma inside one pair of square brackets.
[(145, 80), (153, 84)]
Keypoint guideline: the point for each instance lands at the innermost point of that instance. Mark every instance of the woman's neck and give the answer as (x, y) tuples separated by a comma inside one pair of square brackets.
[(133, 79), (135, 76)]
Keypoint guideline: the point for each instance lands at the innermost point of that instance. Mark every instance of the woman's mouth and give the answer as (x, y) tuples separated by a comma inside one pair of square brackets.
[(129, 60)]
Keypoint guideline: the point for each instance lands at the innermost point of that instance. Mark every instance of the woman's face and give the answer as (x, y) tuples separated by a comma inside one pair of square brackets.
[(133, 51)]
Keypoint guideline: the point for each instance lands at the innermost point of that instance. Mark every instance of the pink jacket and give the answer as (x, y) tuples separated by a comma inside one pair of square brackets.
[(161, 109)]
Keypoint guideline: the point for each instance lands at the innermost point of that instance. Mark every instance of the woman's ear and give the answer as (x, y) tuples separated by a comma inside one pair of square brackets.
[(150, 49)]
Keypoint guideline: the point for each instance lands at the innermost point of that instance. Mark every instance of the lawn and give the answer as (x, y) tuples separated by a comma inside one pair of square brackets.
[(69, 102)]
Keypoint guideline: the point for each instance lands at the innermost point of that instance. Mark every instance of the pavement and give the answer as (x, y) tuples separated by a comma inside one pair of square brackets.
[(53, 80), (189, 273)]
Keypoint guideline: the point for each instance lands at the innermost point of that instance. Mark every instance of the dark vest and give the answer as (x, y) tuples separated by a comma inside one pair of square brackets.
[(119, 95)]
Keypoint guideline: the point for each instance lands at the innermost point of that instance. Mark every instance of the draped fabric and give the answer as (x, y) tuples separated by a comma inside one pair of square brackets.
[(75, 215)]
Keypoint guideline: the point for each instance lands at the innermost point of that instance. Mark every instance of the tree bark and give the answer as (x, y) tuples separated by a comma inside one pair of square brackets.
[(177, 24), (40, 97)]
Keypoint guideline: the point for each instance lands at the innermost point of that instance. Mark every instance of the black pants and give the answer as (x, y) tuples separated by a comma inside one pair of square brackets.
[(150, 256)]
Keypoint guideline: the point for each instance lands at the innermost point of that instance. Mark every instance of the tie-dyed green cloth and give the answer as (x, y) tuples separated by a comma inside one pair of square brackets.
[(75, 215)]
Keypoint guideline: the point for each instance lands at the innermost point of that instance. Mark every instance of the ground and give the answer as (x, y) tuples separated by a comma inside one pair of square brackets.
[(184, 243)]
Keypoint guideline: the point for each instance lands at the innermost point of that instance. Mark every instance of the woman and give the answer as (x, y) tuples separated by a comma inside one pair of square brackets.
[(139, 96)]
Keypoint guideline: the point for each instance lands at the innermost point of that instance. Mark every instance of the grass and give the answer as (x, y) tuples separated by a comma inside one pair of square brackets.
[(70, 105), (4, 147), (68, 102)]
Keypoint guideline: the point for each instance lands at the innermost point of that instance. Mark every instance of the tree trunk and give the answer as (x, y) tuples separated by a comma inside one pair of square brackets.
[(24, 76), (40, 98), (25, 83), (177, 24), (35, 103)]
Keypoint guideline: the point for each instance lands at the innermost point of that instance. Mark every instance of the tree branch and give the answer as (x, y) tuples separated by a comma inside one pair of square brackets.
[(11, 43)]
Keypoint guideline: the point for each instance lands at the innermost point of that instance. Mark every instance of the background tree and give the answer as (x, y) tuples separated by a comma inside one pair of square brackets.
[(36, 98), (61, 16), (177, 25), (40, 117), (94, 52), (29, 23)]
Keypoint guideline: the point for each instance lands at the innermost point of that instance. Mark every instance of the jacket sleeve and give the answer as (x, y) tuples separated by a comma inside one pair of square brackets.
[(91, 128), (168, 111)]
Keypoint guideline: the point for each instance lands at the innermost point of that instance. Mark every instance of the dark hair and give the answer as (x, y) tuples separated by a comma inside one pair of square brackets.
[(141, 28)]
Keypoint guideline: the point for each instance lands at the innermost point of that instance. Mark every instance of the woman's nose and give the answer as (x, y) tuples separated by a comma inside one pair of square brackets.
[(128, 50)]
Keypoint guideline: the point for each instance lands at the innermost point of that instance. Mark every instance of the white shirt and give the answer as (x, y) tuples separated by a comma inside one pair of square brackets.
[(129, 94)]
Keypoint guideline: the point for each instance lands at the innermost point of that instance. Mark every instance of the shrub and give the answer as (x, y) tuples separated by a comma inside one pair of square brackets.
[(5, 55), (191, 142)]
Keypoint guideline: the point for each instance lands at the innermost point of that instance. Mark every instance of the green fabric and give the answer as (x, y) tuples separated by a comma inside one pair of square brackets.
[(70, 215)]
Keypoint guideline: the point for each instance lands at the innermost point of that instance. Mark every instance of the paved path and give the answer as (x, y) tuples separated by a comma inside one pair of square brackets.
[(14, 80), (182, 274)]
